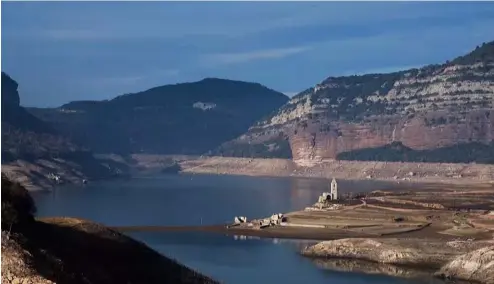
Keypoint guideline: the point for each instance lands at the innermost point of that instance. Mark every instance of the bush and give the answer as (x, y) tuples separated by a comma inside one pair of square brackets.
[(18, 207)]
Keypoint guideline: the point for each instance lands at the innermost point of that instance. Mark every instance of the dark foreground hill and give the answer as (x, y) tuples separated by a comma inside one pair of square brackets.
[(68, 250), (186, 118)]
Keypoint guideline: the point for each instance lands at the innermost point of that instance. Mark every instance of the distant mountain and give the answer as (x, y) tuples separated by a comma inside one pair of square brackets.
[(32, 148), (186, 118), (430, 111)]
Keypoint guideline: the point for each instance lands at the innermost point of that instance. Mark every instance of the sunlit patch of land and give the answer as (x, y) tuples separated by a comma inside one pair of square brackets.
[(434, 211)]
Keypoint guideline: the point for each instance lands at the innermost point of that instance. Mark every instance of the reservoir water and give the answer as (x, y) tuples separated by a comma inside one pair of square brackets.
[(202, 199)]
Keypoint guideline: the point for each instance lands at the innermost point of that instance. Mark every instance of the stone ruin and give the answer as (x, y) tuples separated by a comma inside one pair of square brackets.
[(274, 220), (328, 196), (54, 177), (325, 198), (240, 219)]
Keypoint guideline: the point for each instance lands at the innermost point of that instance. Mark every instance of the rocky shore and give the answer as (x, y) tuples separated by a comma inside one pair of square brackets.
[(399, 251), (351, 170), (373, 268), (476, 266), (33, 175), (48, 172), (448, 229), (462, 260), (441, 229), (454, 235)]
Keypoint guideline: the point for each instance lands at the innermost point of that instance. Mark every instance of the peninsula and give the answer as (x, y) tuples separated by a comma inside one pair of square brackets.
[(448, 228)]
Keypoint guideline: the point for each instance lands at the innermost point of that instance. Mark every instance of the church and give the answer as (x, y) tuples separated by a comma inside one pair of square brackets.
[(334, 190)]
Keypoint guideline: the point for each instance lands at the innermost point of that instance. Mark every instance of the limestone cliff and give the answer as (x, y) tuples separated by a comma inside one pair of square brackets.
[(428, 108)]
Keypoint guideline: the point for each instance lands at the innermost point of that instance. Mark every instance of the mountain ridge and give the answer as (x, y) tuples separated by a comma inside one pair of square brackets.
[(166, 119), (435, 106)]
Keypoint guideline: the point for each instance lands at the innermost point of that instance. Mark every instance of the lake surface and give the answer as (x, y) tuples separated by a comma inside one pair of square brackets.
[(202, 199)]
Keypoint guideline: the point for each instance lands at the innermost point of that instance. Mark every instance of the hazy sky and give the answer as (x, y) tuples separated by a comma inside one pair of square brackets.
[(64, 51)]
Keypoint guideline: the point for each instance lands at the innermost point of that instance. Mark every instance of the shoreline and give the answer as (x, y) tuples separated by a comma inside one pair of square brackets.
[(294, 233), (44, 174), (392, 172), (443, 226), (419, 225), (399, 172)]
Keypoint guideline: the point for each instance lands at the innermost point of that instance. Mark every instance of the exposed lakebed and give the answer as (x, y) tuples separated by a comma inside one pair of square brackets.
[(175, 200)]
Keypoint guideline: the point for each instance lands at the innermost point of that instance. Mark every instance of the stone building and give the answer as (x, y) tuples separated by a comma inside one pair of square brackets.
[(334, 190)]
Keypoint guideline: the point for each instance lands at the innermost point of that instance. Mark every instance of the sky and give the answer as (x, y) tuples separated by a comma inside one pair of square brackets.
[(64, 51)]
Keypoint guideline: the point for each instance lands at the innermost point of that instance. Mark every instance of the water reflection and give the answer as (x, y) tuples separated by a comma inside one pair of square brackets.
[(187, 200), (367, 267), (294, 244), (304, 192), (245, 259)]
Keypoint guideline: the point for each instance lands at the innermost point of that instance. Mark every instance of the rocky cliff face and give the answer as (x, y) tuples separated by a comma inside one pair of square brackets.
[(428, 108), (32, 148), (24, 135), (10, 96), (187, 118)]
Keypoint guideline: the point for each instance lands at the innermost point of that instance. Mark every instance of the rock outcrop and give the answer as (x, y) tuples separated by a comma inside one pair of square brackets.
[(411, 252), (10, 96), (463, 260), (32, 149), (476, 266), (22, 133), (15, 264), (425, 109), (367, 267)]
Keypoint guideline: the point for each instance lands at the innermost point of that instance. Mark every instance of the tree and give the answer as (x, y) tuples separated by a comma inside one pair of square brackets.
[(18, 207)]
